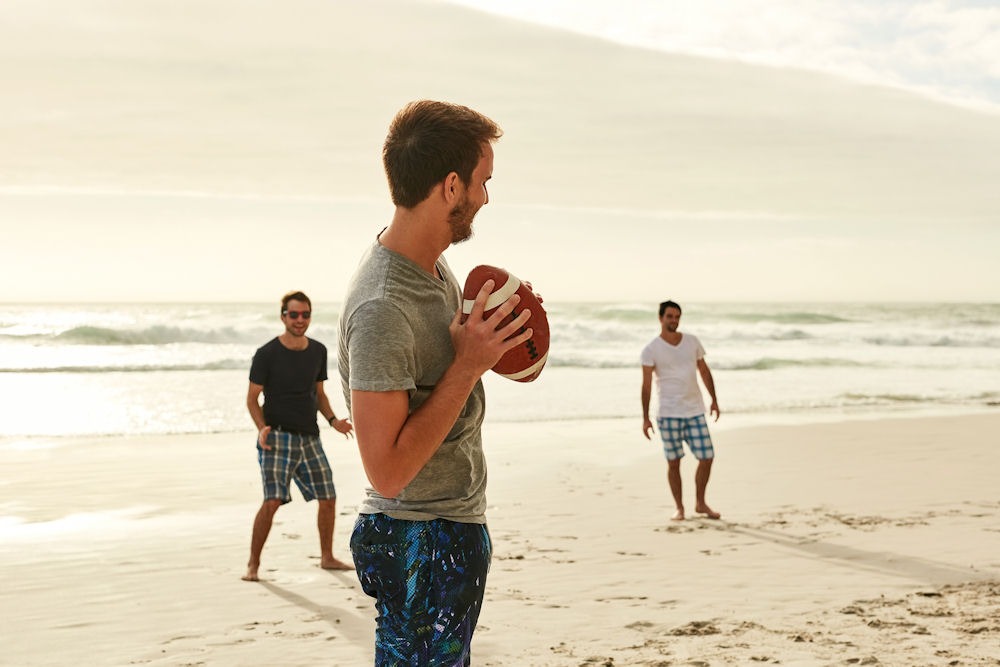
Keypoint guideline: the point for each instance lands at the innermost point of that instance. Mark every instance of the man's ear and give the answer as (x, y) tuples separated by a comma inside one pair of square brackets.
[(451, 187)]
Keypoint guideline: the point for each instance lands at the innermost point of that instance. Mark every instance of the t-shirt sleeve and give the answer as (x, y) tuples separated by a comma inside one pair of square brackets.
[(699, 352), (321, 373), (260, 365), (380, 346), (646, 356)]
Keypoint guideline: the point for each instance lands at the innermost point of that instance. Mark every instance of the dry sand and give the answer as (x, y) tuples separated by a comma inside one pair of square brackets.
[(862, 542)]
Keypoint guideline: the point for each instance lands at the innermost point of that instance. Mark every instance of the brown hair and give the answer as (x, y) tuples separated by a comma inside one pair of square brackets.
[(294, 296), (668, 304), (428, 140)]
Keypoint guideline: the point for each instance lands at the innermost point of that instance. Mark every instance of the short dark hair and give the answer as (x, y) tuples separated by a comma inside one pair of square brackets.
[(294, 296), (669, 304), (428, 140)]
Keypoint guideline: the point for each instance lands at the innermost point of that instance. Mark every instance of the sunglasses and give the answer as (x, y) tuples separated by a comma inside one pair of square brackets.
[(294, 314)]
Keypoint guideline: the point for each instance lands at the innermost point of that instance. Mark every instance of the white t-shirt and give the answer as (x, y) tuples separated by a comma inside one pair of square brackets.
[(675, 368)]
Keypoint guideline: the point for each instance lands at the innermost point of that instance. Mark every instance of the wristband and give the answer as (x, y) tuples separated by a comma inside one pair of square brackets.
[(332, 419)]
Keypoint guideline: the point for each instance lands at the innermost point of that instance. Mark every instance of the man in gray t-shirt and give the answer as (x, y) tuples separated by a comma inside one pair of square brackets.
[(410, 367)]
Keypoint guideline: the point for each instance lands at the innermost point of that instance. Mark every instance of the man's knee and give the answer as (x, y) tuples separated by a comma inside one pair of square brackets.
[(271, 505)]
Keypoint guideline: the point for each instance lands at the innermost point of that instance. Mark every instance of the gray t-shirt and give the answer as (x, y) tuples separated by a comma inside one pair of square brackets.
[(394, 336)]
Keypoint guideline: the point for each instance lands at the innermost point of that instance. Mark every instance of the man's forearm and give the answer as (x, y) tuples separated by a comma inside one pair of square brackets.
[(710, 386), (396, 444), (324, 408), (256, 414)]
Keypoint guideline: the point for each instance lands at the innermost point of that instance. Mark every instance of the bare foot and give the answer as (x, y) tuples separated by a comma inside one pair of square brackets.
[(708, 511), (251, 574), (678, 516), (335, 564)]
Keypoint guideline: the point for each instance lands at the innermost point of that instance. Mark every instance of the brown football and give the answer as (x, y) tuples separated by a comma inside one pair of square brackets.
[(524, 362)]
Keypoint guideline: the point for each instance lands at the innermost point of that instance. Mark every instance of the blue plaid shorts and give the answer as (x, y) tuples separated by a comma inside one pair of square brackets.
[(674, 431), (428, 580), (295, 456)]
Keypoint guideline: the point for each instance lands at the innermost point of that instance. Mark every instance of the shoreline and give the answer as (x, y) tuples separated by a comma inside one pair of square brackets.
[(867, 539), (730, 421)]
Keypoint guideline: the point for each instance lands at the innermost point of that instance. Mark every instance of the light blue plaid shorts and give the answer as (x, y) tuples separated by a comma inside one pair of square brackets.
[(297, 456), (674, 431)]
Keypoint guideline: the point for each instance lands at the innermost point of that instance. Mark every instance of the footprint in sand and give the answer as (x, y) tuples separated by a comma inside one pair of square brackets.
[(696, 628)]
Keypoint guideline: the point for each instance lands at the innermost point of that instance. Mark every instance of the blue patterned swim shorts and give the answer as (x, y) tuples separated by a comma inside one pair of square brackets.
[(428, 580), (674, 431), (295, 456)]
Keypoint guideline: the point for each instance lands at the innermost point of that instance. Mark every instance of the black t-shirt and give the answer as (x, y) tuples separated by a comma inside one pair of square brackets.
[(289, 378)]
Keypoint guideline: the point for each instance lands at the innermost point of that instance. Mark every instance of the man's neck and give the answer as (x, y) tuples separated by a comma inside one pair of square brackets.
[(293, 342), (415, 237), (672, 337)]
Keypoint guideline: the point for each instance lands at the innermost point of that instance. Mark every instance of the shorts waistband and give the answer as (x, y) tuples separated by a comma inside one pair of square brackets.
[(292, 431)]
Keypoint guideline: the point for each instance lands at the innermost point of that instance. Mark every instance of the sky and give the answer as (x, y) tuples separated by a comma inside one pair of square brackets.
[(946, 49), (748, 151)]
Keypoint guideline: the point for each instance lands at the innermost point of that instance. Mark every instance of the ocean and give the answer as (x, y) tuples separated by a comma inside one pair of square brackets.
[(134, 369)]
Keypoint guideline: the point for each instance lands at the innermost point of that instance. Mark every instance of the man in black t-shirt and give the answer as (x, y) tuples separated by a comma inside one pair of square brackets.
[(290, 371)]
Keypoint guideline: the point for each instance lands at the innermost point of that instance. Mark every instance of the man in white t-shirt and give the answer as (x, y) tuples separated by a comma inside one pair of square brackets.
[(673, 358)]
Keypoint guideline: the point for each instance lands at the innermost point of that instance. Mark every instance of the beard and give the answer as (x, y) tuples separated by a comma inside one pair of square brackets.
[(460, 220)]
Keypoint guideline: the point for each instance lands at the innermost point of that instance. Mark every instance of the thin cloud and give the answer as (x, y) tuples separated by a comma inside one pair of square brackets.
[(946, 49)]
